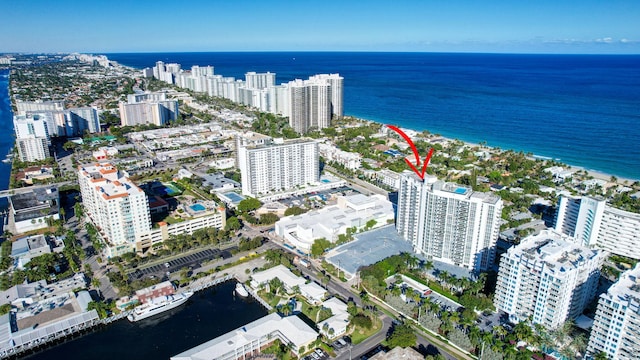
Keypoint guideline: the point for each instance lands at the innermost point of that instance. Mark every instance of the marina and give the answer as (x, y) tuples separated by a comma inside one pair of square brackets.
[(209, 302)]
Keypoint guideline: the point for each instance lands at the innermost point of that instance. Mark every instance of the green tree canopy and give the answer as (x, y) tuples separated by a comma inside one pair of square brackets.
[(233, 224), (249, 204), (402, 336), (294, 210), (319, 245)]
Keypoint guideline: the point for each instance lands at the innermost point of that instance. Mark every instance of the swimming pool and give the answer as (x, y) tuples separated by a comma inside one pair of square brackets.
[(197, 207), (460, 190), (234, 197)]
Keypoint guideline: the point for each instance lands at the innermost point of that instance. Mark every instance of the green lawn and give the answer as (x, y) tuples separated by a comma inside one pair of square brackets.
[(359, 335), (172, 220), (310, 311), (270, 298)]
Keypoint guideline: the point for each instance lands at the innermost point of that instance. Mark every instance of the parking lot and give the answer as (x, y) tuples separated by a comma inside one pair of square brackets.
[(341, 344), (189, 261), (444, 302), (487, 322), (317, 354)]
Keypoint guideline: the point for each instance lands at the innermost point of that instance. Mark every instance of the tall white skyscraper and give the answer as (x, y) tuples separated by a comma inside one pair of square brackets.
[(279, 166), (616, 326), (314, 102), (298, 111), (118, 208), (592, 222), (547, 277), (32, 136), (259, 81), (310, 104), (148, 108), (336, 87), (448, 222), (198, 71), (81, 120)]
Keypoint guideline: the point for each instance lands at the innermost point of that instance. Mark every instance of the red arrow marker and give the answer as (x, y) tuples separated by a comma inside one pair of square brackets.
[(413, 167)]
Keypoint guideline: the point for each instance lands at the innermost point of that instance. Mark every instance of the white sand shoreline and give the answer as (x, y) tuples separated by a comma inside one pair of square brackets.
[(596, 174)]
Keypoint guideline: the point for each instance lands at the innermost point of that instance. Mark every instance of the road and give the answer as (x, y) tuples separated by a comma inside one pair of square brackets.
[(425, 341), (364, 347)]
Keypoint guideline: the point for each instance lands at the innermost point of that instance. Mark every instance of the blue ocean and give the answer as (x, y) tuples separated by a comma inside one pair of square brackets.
[(581, 109)]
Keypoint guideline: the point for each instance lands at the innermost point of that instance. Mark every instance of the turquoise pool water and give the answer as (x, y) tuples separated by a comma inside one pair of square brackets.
[(234, 197), (197, 207)]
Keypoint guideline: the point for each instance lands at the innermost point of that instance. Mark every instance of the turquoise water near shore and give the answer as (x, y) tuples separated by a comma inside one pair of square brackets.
[(581, 109)]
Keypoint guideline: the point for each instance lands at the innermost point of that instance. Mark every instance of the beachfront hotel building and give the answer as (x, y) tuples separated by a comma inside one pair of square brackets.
[(547, 277), (259, 81), (616, 326), (448, 222), (32, 137), (278, 166), (148, 108), (249, 340), (120, 211), (336, 86), (592, 222), (314, 102), (309, 104)]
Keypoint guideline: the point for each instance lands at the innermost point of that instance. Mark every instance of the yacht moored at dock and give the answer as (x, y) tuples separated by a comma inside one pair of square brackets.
[(159, 305), (241, 290)]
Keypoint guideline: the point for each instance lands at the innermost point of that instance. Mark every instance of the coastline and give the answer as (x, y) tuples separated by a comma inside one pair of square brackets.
[(597, 174)]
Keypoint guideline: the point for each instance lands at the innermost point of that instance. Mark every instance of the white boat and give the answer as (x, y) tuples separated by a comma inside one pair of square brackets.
[(240, 290), (158, 305)]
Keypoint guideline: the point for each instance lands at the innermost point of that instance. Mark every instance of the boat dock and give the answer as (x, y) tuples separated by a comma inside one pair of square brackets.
[(40, 337), (18, 344)]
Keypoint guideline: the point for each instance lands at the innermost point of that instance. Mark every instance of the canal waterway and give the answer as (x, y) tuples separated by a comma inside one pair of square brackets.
[(208, 314), (6, 129)]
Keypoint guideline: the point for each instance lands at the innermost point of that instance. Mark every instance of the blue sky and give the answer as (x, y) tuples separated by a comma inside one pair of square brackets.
[(586, 26)]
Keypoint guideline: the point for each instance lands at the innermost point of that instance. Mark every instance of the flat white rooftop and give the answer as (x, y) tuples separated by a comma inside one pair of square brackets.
[(291, 327)]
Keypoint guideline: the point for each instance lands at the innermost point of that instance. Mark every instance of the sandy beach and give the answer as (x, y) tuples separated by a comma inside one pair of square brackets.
[(590, 172)]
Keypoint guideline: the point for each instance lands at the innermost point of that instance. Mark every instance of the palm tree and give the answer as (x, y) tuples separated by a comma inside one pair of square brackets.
[(510, 352), (499, 331), (579, 344), (475, 335), (286, 309), (412, 261), (325, 327), (523, 331), (272, 256), (428, 265)]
